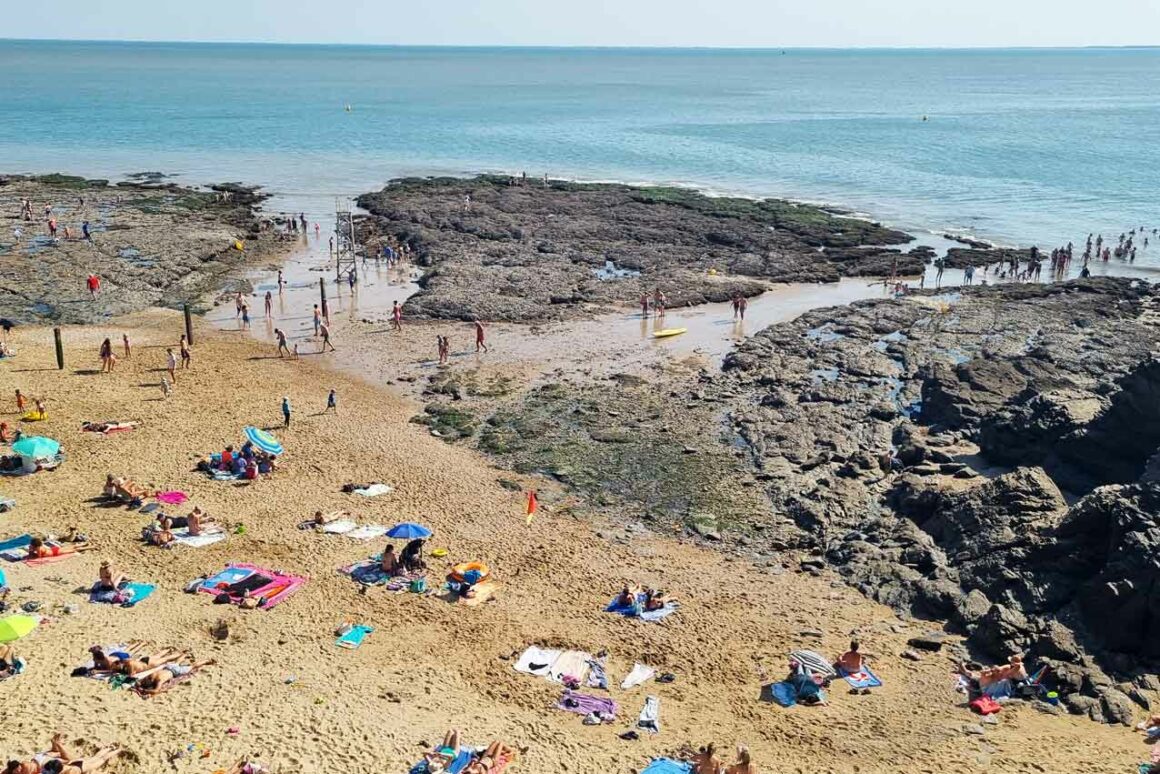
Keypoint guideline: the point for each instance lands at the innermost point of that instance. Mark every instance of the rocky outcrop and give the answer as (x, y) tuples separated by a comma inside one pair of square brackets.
[(871, 425), (501, 249)]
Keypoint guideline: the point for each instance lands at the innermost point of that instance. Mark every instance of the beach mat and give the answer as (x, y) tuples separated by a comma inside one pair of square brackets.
[(136, 592), (630, 611), (536, 661), (367, 532), (667, 766), (864, 679), (466, 754), (782, 693), (374, 490), (182, 537), (585, 704), (368, 572), (21, 541), (50, 559), (571, 663), (339, 527), (352, 639)]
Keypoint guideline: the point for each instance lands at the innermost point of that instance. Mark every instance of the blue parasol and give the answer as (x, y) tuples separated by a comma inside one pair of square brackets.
[(36, 446), (409, 530)]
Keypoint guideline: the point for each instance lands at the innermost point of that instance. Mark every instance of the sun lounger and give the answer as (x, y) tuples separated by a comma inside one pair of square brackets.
[(864, 679), (536, 661)]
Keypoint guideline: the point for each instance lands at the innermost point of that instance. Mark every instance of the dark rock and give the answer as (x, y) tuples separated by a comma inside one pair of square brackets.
[(931, 641)]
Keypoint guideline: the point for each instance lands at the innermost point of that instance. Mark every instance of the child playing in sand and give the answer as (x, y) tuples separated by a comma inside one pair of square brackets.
[(332, 401), (19, 401)]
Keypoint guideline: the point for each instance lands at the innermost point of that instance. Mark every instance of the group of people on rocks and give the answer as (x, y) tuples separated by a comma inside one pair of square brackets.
[(55, 230)]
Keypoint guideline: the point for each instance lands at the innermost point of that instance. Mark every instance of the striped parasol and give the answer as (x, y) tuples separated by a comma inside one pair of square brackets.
[(263, 440)]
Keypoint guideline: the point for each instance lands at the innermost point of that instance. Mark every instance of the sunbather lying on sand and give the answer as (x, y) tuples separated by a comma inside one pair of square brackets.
[(62, 761), (987, 676), (161, 679), (38, 550), (489, 761), (444, 754), (139, 666), (655, 599), (107, 427), (628, 595), (322, 519)]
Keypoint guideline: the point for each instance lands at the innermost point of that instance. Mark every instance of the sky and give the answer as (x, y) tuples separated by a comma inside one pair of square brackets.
[(709, 23)]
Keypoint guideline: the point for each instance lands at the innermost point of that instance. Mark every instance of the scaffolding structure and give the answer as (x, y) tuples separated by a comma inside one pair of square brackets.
[(345, 244)]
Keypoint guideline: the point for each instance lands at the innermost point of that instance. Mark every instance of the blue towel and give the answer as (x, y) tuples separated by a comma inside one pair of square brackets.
[(866, 680), (16, 542), (354, 637), (783, 693), (667, 766), (139, 592), (638, 611), (456, 766)]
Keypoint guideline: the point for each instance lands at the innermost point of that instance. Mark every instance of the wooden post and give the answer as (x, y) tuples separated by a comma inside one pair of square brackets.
[(59, 349), (322, 291), (188, 325)]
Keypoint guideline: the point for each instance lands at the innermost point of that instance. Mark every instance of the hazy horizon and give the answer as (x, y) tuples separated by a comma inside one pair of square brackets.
[(750, 24)]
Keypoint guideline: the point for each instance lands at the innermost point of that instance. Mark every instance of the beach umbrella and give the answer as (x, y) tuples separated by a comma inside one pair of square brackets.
[(36, 446), (16, 626), (409, 530), (263, 440)]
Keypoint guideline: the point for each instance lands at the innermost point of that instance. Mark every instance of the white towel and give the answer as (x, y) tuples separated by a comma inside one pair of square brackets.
[(650, 716), (537, 662), (368, 532), (339, 527), (374, 490), (573, 663), (199, 541), (639, 674)]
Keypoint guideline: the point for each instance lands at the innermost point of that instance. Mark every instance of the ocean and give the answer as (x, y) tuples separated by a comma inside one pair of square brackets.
[(1018, 146)]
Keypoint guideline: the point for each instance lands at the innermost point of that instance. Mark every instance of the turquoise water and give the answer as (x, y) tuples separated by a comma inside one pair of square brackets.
[(1020, 145)]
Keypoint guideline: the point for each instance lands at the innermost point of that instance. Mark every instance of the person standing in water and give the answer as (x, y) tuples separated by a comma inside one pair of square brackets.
[(644, 304), (742, 305), (479, 337), (281, 283), (317, 320), (269, 305)]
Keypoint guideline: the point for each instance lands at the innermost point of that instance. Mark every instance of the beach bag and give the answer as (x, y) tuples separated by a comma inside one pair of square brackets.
[(418, 585)]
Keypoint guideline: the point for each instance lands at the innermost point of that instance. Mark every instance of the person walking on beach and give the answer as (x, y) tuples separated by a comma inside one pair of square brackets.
[(479, 336), (126, 345), (238, 304), (85, 232), (969, 275), (325, 338), (269, 305), (281, 337), (94, 284), (332, 401), (644, 304), (171, 364), (352, 278), (397, 317), (245, 316), (742, 305), (317, 320), (281, 283), (285, 411), (186, 355), (108, 359)]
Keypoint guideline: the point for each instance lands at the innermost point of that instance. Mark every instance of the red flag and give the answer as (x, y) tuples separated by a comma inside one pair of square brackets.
[(532, 505)]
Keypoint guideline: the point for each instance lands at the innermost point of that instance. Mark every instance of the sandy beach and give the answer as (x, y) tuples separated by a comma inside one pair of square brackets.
[(302, 705)]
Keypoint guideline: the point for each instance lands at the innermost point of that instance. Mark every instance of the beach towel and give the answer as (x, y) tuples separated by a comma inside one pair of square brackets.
[(583, 704), (667, 766), (782, 693), (638, 611), (339, 527), (11, 544), (572, 663), (241, 580), (454, 767), (352, 639), (182, 537), (171, 498), (374, 490), (367, 532), (863, 679), (639, 674), (535, 661), (50, 559), (656, 615), (650, 715), (128, 595), (368, 572)]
